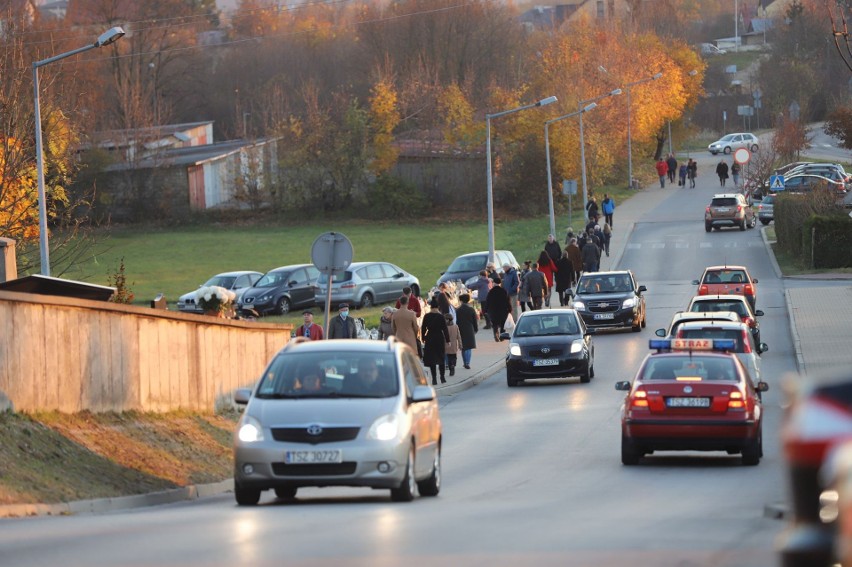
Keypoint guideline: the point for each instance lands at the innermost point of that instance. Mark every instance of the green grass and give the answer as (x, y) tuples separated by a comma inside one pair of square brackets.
[(175, 261)]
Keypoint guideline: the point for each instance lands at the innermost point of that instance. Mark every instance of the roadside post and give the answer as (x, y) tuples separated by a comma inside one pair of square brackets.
[(569, 187), (331, 253)]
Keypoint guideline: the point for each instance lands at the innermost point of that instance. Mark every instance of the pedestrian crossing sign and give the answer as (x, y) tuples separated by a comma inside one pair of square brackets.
[(776, 182)]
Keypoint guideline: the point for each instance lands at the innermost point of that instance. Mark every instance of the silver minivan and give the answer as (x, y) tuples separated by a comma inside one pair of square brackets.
[(339, 413)]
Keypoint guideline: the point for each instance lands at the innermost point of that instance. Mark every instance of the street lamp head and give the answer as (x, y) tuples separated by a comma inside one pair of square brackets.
[(693, 73), (615, 92), (546, 101), (589, 107), (109, 36), (658, 75), (602, 69)]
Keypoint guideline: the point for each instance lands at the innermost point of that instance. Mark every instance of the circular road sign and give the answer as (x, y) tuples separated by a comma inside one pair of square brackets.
[(331, 252), (741, 156)]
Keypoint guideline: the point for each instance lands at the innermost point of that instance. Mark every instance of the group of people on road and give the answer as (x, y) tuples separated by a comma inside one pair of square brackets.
[(722, 171), (668, 169)]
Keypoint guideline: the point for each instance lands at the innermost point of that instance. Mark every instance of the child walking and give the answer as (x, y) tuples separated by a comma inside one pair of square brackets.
[(454, 345)]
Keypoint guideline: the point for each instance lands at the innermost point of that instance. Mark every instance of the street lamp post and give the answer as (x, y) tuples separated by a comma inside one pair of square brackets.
[(629, 141), (583, 147), (547, 153), (490, 192), (105, 38)]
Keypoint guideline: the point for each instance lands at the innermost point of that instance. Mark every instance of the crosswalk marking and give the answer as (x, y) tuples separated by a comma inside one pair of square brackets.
[(685, 244)]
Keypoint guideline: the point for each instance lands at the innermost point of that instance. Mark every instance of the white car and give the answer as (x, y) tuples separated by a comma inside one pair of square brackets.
[(710, 49), (733, 142), (747, 350), (237, 282)]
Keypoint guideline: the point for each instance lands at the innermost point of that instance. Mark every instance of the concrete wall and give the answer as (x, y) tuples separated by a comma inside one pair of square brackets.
[(72, 355)]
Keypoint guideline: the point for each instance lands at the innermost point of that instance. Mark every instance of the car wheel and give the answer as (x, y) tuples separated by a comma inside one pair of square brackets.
[(586, 376), (510, 381), (644, 320), (727, 150), (636, 328), (742, 224), (246, 496), (407, 488), (630, 455), (592, 371), (764, 222), (708, 227), (752, 451), (283, 306), (754, 148), (432, 485), (366, 300), (286, 492), (753, 222)]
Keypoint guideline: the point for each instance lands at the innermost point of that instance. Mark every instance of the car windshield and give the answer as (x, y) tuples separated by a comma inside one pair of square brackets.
[(714, 333), (737, 307), (727, 138), (338, 277), (222, 281), (612, 283), (689, 367), (724, 202), (468, 263), (338, 374), (543, 325), (272, 279), (725, 276)]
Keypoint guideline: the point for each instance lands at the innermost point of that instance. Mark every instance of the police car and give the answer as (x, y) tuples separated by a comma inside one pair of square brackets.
[(691, 395)]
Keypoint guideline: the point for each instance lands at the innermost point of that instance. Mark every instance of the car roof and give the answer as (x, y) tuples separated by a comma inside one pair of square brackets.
[(561, 311), (289, 268), (478, 253), (331, 345), (719, 296), (237, 273), (704, 315), (611, 272), (810, 175), (725, 267), (720, 323), (726, 195)]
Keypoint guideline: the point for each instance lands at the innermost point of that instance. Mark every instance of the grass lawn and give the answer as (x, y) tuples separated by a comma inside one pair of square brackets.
[(176, 261)]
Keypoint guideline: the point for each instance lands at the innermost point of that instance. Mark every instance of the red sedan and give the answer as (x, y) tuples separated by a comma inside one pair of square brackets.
[(722, 280), (691, 395)]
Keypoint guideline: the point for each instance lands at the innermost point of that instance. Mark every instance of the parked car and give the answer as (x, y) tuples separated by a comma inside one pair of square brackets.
[(729, 209), (682, 317), (691, 395), (237, 282), (736, 303), (280, 290), (466, 267), (766, 210), (807, 182), (339, 413), (552, 343), (733, 142), (610, 299), (366, 283), (710, 49), (726, 279), (745, 347), (833, 171)]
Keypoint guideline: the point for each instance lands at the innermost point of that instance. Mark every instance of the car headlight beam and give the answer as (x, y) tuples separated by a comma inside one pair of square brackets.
[(629, 302), (579, 305), (385, 428), (514, 349), (250, 430), (577, 346)]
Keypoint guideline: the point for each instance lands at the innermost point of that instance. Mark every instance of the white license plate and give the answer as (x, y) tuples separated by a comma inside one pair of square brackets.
[(546, 362), (604, 316), (688, 402), (311, 457), (723, 210)]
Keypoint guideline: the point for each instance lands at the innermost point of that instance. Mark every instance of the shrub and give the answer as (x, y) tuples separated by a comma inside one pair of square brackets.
[(392, 198)]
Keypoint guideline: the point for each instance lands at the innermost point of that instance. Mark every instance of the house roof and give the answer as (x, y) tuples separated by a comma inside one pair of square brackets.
[(46, 285), (191, 155), (118, 138)]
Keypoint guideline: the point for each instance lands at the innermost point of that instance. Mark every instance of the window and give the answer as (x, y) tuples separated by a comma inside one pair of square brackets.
[(600, 6), (299, 276), (374, 272)]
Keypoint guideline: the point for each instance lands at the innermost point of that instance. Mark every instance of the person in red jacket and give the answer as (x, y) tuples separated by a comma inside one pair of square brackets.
[(548, 268), (310, 330), (662, 171)]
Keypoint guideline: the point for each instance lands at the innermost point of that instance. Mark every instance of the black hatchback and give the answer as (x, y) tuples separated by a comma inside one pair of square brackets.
[(281, 289), (610, 300), (552, 343)]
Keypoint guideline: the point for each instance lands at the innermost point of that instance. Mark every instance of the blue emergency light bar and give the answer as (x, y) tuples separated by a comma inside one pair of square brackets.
[(724, 345)]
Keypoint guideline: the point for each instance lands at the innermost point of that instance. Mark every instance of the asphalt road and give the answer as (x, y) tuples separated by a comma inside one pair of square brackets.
[(532, 475)]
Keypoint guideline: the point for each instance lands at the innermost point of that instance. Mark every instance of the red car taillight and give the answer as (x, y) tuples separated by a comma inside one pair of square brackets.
[(746, 343), (707, 210), (703, 290), (749, 321), (736, 401), (739, 209), (639, 399), (348, 286), (748, 289)]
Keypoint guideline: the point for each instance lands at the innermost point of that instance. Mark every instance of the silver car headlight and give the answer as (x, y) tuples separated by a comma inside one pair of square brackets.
[(250, 430), (385, 428), (579, 305), (577, 346), (514, 349), (264, 298), (629, 302)]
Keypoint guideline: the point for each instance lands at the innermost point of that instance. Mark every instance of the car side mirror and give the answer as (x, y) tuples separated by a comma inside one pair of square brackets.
[(423, 394), (622, 386), (762, 386), (762, 347), (758, 313), (505, 336), (642, 288), (588, 333), (660, 333), (291, 283), (753, 280), (694, 282), (242, 396)]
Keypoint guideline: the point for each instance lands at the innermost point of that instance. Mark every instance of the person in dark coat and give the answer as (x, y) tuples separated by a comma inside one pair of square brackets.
[(592, 209), (591, 254), (498, 308), (671, 162), (537, 286), (573, 250), (342, 326), (468, 323), (564, 279), (692, 172), (722, 172), (435, 335), (552, 248)]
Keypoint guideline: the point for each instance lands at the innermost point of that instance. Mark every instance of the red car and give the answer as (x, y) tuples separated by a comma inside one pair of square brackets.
[(728, 280), (691, 395)]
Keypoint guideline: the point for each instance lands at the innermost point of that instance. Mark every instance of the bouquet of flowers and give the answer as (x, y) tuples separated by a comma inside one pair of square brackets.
[(215, 299)]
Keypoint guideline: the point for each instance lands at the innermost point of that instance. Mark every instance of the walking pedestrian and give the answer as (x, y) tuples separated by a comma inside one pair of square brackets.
[(453, 345), (468, 323), (681, 175), (576, 259), (722, 172), (385, 323), (435, 337), (569, 235), (552, 248), (608, 208), (671, 162), (523, 292), (692, 172), (662, 171), (564, 279), (512, 284), (404, 325), (480, 290), (547, 267), (413, 302), (342, 326), (591, 253), (592, 209), (537, 285), (498, 308), (735, 173), (607, 236)]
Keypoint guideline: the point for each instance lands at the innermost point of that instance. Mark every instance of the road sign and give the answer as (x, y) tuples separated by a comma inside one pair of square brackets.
[(776, 182), (741, 156), (569, 186), (331, 252)]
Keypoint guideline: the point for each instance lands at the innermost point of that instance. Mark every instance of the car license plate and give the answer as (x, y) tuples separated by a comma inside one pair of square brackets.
[(310, 457), (688, 402), (546, 362), (723, 210), (599, 316)]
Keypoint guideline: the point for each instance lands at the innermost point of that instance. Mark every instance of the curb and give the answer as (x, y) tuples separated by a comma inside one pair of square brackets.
[(471, 381), (102, 505), (772, 258), (794, 334)]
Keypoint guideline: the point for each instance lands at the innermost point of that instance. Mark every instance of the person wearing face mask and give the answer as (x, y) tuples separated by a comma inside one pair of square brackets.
[(342, 326)]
